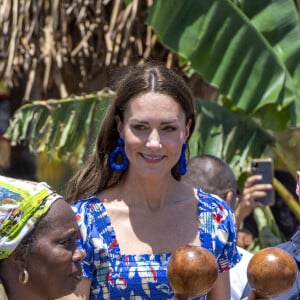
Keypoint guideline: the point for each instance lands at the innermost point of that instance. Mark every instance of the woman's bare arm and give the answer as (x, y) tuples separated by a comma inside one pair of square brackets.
[(221, 288)]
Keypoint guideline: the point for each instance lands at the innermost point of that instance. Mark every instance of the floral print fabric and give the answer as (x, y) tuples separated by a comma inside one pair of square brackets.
[(138, 277)]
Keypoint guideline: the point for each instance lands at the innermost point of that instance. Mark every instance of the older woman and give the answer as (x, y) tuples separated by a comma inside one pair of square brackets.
[(39, 258)]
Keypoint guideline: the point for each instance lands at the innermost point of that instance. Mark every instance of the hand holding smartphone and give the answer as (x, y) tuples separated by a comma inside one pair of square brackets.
[(264, 167)]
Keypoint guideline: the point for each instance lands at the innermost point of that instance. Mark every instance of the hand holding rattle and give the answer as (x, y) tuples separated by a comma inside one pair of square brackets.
[(271, 272)]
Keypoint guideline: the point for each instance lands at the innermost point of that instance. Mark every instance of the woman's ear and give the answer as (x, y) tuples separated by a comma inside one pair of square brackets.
[(187, 129), (119, 126)]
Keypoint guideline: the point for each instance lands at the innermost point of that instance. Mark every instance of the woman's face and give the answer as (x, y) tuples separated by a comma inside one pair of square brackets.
[(154, 129), (54, 268)]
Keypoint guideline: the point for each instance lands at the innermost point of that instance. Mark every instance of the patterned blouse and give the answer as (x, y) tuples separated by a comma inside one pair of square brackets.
[(140, 277)]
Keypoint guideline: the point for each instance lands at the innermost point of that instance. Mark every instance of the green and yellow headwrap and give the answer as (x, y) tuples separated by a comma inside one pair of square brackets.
[(22, 204)]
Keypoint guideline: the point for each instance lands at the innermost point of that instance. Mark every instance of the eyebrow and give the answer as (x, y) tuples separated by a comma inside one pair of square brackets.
[(163, 123)]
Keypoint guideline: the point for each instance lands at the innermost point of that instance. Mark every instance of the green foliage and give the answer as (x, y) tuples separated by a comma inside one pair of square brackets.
[(268, 232), (67, 127), (249, 51), (228, 134)]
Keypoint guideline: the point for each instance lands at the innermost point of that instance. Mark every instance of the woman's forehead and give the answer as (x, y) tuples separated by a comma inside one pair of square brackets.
[(153, 103), (60, 212)]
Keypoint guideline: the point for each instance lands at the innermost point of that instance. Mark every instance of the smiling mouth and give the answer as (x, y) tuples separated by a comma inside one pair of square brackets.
[(153, 158)]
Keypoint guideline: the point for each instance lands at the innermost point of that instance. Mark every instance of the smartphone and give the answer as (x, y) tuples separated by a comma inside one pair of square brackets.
[(264, 167)]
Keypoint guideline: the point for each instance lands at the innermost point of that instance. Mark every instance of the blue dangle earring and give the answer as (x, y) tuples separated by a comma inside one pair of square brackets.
[(182, 161), (112, 157)]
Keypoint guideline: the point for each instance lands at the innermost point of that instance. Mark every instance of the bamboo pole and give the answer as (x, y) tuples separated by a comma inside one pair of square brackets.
[(287, 197)]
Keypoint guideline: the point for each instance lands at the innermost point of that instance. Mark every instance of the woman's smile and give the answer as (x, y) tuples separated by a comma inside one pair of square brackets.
[(152, 158)]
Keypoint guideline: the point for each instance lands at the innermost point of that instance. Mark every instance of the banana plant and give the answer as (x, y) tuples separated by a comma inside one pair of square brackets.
[(64, 127), (248, 50)]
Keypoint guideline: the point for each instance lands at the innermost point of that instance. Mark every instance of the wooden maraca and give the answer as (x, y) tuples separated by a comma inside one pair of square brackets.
[(271, 272), (192, 272)]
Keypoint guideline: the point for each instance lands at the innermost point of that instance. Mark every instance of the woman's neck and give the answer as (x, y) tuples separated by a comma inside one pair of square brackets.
[(20, 294), (153, 193)]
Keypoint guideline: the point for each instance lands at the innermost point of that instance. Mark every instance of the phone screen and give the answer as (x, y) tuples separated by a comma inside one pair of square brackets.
[(264, 167)]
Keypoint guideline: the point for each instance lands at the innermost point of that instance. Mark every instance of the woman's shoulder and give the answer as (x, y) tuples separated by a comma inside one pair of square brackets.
[(212, 202), (92, 203), (91, 214)]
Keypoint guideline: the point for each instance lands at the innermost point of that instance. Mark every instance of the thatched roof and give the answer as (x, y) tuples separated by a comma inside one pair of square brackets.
[(63, 45)]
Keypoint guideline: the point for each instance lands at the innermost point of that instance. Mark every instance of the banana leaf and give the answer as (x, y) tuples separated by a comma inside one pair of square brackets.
[(221, 43), (67, 127), (229, 135), (278, 22)]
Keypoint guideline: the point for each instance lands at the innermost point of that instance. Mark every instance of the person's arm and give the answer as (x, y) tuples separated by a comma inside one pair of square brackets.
[(247, 203), (82, 291), (221, 288)]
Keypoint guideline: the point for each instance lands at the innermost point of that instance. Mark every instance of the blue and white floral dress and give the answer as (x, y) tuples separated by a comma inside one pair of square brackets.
[(140, 277)]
